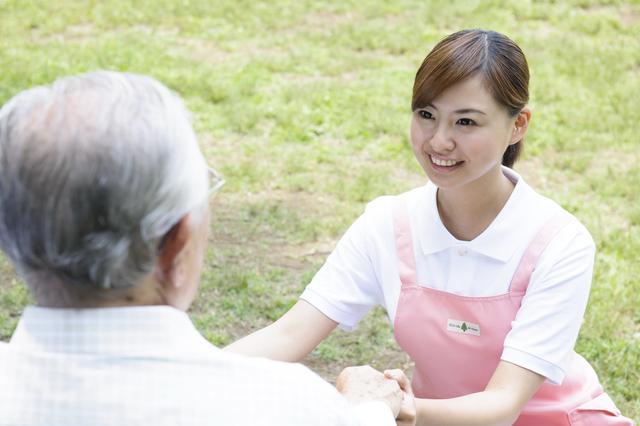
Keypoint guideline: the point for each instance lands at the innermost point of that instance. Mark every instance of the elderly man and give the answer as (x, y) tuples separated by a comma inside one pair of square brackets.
[(104, 213)]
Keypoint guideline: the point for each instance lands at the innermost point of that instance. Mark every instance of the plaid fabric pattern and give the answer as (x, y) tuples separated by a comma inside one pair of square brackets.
[(148, 365)]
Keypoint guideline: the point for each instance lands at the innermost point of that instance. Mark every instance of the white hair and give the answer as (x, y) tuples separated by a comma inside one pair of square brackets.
[(94, 170)]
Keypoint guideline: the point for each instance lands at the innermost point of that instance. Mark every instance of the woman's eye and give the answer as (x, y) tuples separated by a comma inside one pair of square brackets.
[(425, 114), (466, 122)]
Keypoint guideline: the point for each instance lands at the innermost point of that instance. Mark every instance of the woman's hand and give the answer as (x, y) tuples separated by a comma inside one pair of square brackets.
[(407, 414), (364, 383)]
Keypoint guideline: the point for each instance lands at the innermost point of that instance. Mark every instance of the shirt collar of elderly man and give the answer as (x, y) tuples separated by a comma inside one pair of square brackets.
[(104, 203)]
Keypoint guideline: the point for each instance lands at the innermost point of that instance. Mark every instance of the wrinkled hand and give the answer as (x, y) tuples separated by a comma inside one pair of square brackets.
[(407, 413), (364, 383)]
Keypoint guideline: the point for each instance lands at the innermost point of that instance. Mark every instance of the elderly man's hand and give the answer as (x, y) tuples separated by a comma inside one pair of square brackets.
[(364, 383)]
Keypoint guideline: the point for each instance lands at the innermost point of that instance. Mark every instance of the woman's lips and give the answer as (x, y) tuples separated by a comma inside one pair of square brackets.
[(444, 165)]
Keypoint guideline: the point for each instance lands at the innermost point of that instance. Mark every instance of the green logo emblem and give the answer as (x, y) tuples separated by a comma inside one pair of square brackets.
[(464, 326)]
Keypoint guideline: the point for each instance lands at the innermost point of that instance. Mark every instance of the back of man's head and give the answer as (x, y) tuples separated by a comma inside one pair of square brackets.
[(94, 170)]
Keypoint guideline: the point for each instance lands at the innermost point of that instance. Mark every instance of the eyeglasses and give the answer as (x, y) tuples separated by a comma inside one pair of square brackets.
[(215, 181)]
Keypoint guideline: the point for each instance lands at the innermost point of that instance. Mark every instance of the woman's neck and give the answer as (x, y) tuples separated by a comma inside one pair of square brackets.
[(468, 210)]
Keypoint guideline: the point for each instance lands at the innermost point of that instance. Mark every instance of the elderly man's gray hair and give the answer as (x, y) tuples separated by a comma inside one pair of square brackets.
[(94, 170)]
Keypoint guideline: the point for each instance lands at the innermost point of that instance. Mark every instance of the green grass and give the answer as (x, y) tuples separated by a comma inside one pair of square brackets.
[(304, 106)]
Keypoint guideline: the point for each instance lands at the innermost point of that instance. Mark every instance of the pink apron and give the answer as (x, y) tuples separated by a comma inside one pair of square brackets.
[(456, 341)]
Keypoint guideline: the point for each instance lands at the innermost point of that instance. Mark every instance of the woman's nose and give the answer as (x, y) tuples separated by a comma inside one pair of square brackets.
[(442, 140)]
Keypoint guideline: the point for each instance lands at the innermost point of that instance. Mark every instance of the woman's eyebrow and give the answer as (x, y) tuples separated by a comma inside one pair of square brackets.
[(468, 110), (459, 111)]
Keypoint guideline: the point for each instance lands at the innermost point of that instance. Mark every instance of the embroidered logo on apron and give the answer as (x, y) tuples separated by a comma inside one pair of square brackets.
[(464, 327)]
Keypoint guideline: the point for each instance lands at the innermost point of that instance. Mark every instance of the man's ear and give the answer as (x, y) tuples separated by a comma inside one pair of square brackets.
[(521, 125), (170, 248)]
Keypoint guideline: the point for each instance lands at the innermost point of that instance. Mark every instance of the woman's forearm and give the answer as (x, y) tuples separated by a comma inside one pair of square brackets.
[(290, 338), (508, 391), (269, 342), (481, 409)]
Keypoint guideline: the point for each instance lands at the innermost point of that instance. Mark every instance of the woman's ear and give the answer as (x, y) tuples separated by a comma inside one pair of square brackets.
[(170, 248), (521, 125)]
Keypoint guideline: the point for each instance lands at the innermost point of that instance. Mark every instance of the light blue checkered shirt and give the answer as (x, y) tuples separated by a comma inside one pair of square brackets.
[(150, 366)]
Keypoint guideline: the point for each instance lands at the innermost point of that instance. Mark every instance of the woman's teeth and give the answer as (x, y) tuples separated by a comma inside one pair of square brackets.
[(443, 163)]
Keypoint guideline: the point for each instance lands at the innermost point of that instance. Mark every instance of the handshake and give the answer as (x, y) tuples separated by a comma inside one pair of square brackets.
[(365, 383)]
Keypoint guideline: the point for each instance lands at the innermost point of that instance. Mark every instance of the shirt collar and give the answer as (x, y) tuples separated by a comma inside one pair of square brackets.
[(140, 330), (498, 241)]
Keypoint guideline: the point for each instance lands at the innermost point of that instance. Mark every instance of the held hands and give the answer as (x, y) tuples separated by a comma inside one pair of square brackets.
[(407, 414), (364, 383)]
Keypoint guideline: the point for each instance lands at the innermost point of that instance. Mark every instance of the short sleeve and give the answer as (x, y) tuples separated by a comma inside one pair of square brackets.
[(347, 285), (547, 324)]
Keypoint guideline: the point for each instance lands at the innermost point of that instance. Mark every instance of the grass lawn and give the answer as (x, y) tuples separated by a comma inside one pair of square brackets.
[(304, 107)]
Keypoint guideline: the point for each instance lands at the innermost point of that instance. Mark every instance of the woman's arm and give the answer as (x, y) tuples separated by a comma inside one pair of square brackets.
[(290, 338), (345, 287), (509, 389)]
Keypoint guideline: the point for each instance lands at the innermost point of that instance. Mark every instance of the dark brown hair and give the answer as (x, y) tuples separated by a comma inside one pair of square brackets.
[(463, 54)]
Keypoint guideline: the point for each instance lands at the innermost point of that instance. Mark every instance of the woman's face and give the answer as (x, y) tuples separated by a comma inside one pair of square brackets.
[(460, 137)]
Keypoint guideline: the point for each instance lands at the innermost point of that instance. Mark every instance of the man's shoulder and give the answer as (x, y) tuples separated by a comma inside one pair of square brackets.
[(281, 372), (267, 381), (287, 390), (234, 389)]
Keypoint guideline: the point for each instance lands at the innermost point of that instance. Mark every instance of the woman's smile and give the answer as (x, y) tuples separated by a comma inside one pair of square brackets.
[(443, 165)]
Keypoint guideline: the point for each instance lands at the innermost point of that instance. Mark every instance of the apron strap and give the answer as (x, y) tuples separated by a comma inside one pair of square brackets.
[(527, 264), (404, 242)]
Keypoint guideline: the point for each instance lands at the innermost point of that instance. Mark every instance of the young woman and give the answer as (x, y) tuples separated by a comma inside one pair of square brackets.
[(485, 281)]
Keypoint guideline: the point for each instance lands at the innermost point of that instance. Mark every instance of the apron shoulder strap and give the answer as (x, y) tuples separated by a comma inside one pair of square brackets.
[(404, 242), (527, 264)]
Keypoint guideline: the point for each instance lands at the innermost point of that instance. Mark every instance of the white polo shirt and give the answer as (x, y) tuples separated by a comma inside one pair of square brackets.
[(362, 271)]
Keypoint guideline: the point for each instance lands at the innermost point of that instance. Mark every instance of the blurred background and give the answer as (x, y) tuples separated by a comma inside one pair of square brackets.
[(304, 106)]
